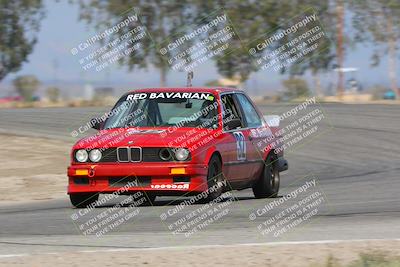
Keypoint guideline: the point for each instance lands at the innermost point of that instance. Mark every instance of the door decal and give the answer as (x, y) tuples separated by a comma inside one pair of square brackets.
[(240, 145)]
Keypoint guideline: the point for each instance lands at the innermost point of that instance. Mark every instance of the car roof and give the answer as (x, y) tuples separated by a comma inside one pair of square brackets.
[(187, 89)]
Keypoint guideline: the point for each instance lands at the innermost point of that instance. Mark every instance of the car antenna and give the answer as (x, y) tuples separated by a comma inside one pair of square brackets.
[(189, 84), (189, 79)]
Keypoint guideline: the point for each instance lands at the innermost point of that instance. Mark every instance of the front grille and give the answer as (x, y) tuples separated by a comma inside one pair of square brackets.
[(123, 154), (133, 154), (109, 155), (136, 154), (151, 154), (129, 154), (140, 181)]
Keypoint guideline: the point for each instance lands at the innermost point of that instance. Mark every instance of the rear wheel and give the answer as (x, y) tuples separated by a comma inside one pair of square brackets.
[(268, 183), (82, 200)]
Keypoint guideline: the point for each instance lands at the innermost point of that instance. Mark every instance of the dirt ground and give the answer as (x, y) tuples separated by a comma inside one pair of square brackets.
[(32, 169), (236, 255)]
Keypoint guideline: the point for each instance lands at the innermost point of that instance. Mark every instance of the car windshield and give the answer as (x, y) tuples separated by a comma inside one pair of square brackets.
[(163, 109)]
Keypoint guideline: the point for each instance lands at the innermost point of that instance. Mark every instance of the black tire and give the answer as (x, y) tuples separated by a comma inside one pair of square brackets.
[(82, 200), (214, 178), (150, 199), (268, 183)]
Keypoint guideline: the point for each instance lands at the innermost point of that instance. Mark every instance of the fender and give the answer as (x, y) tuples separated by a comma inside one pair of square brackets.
[(210, 151)]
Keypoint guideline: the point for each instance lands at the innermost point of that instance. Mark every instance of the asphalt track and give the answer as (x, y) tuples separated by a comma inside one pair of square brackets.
[(355, 163)]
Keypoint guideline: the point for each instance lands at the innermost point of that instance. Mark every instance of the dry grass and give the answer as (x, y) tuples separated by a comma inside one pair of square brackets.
[(371, 259)]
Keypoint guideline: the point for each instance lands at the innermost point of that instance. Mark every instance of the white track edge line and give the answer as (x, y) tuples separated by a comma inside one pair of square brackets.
[(205, 246)]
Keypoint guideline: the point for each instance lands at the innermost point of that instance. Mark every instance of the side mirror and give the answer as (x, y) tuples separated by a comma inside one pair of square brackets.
[(96, 123), (272, 120), (233, 124)]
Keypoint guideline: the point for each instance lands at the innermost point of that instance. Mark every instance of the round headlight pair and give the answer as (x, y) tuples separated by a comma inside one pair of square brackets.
[(182, 154), (82, 155), (95, 155)]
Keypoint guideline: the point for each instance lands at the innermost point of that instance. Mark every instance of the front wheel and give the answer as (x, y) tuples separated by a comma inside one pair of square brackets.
[(268, 183), (149, 199), (83, 200), (214, 180)]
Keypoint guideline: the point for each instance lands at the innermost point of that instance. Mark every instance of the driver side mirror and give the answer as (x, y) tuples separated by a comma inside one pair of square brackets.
[(97, 123), (272, 120), (233, 124)]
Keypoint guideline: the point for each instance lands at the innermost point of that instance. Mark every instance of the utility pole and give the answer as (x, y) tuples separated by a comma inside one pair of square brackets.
[(339, 47), (392, 55)]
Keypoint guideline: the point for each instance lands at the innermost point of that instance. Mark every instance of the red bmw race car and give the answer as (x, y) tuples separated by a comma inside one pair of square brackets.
[(178, 141)]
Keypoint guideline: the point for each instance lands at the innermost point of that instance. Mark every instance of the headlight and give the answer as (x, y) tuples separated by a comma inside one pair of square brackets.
[(81, 155), (181, 154), (165, 154), (95, 155)]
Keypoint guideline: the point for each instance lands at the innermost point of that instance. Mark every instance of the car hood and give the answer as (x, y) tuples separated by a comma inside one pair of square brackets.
[(143, 137)]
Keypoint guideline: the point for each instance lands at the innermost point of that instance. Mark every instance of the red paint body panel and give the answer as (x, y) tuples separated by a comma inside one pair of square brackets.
[(208, 142), (159, 172)]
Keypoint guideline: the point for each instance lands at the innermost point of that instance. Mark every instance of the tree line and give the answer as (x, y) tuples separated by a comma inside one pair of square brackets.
[(372, 21)]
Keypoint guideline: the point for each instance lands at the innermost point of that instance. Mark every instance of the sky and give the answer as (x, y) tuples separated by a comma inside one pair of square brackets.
[(52, 62)]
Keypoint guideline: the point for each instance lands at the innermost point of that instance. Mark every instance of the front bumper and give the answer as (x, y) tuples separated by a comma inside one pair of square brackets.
[(160, 178)]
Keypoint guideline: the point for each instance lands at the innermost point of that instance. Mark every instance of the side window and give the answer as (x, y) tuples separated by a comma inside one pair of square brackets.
[(230, 110), (251, 115)]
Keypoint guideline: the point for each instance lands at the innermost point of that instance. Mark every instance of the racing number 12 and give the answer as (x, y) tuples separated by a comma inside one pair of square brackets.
[(240, 145)]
